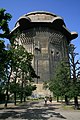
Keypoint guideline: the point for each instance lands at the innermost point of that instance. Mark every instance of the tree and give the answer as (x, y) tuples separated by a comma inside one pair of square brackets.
[(4, 19), (59, 85), (29, 88), (17, 60), (75, 70), (21, 68), (4, 33), (27, 72), (4, 62)]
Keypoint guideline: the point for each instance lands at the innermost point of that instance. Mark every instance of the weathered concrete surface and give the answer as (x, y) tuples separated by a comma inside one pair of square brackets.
[(38, 111)]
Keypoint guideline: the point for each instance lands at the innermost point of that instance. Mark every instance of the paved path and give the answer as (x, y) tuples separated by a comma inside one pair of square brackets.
[(38, 111)]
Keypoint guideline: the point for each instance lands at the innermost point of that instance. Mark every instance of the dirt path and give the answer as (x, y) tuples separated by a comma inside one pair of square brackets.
[(36, 110)]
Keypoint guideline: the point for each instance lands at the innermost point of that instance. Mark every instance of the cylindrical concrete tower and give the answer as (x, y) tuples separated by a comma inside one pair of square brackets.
[(45, 35)]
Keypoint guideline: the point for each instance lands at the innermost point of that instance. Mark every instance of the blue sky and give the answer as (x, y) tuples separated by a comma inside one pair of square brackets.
[(68, 9)]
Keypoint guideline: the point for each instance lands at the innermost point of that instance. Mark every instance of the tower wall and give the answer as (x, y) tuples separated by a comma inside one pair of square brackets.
[(48, 47)]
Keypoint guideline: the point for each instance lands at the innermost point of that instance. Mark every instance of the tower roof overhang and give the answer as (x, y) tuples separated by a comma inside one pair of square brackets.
[(41, 18)]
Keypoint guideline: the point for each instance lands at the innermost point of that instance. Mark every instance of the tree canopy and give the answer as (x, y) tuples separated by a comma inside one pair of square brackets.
[(16, 71), (59, 85)]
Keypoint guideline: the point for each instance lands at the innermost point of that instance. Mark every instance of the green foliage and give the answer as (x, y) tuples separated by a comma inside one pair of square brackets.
[(21, 66), (74, 90), (14, 87), (75, 69), (21, 60), (66, 81), (2, 46), (4, 33), (61, 82), (2, 61), (4, 19), (29, 88), (45, 85), (14, 61)]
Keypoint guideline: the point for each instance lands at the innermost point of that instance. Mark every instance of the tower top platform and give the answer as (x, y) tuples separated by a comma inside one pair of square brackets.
[(43, 18)]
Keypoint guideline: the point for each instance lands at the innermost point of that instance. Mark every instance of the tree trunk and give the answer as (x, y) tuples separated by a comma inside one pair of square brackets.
[(24, 89), (66, 100), (76, 102), (22, 86), (57, 98), (6, 99), (7, 90), (24, 99), (15, 91), (14, 98), (21, 92)]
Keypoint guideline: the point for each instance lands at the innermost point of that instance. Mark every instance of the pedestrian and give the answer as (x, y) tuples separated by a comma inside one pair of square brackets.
[(45, 100), (50, 99)]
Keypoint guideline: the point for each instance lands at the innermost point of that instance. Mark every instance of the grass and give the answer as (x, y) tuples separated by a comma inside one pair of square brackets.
[(71, 106), (67, 107)]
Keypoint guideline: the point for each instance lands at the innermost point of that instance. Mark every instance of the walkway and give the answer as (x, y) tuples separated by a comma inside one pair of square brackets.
[(38, 111)]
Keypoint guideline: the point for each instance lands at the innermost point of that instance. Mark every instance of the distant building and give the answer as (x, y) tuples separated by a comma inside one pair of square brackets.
[(45, 35)]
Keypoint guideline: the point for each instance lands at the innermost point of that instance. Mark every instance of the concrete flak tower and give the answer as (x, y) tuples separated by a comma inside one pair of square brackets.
[(46, 36)]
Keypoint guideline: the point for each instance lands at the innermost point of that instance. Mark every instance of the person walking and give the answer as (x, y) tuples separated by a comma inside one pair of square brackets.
[(45, 100), (50, 99)]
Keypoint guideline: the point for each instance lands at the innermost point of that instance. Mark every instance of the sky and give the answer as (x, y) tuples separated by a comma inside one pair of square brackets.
[(68, 9)]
